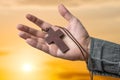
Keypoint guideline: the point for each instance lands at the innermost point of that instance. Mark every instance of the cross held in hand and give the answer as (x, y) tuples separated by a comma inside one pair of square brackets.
[(56, 37)]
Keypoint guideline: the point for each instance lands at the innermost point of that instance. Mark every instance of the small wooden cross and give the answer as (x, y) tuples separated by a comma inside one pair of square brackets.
[(56, 37)]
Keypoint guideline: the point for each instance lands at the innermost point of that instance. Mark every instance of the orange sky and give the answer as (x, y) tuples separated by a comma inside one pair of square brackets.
[(100, 17)]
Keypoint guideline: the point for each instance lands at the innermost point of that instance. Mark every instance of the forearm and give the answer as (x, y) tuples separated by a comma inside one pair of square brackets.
[(104, 58)]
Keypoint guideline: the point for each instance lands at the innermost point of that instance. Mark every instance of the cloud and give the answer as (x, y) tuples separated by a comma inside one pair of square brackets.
[(105, 15), (55, 2), (4, 53), (69, 75), (52, 2)]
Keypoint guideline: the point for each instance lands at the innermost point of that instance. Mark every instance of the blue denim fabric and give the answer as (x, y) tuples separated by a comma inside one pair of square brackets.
[(104, 58)]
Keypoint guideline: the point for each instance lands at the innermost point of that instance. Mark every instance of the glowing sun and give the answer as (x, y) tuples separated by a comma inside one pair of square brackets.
[(27, 67)]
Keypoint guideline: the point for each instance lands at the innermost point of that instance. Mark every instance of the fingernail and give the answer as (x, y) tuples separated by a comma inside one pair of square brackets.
[(19, 26), (28, 40), (28, 16), (20, 33)]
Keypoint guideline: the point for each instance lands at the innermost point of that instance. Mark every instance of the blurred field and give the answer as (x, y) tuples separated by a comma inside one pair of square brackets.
[(101, 19)]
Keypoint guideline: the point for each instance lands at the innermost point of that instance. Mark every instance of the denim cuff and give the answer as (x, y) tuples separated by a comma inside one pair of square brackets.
[(104, 58)]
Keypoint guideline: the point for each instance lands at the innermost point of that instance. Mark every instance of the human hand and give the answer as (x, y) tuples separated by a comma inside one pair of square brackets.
[(36, 38)]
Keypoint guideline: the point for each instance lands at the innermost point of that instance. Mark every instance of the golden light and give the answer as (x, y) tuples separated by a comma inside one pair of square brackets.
[(27, 67)]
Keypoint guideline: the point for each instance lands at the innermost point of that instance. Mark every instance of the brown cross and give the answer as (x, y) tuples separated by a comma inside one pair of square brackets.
[(56, 37)]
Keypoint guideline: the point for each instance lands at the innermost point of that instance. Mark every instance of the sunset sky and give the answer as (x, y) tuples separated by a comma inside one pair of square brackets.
[(19, 61)]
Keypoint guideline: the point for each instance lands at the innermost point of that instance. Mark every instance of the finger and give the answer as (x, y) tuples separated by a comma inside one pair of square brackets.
[(65, 13), (38, 44), (25, 35), (31, 31), (42, 24)]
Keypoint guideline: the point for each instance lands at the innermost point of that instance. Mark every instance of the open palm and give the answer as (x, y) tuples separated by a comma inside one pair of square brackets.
[(36, 38)]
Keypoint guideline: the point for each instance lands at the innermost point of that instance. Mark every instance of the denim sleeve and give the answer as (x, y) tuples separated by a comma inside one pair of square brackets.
[(104, 58)]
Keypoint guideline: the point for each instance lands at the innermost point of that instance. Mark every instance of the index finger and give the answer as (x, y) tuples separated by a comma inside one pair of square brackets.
[(42, 24)]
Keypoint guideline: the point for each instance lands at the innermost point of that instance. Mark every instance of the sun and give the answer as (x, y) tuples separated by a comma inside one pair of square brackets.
[(27, 67)]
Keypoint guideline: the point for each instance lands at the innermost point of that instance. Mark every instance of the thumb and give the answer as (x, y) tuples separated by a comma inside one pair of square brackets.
[(65, 13)]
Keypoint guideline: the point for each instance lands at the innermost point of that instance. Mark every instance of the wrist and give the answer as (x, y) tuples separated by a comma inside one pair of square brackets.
[(88, 43)]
